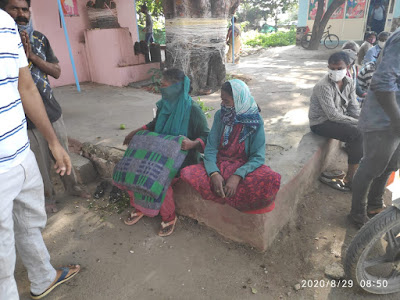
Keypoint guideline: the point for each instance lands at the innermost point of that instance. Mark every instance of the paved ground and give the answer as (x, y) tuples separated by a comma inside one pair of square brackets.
[(121, 262)]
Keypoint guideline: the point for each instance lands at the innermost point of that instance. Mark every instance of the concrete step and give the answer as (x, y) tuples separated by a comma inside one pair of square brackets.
[(85, 171)]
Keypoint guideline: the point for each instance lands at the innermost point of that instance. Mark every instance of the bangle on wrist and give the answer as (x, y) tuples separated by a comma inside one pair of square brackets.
[(213, 173)]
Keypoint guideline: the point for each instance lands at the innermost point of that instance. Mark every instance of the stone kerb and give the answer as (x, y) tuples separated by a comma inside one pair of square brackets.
[(313, 154), (260, 230)]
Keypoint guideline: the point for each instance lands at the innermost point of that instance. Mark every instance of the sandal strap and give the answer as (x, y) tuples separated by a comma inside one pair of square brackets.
[(164, 225), (64, 274)]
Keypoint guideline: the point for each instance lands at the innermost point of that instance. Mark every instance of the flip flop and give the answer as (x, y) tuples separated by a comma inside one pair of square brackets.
[(133, 218), (337, 184), (335, 174), (63, 278), (167, 228)]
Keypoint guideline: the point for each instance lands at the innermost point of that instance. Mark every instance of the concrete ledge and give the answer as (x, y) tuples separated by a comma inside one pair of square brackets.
[(259, 231), (84, 169)]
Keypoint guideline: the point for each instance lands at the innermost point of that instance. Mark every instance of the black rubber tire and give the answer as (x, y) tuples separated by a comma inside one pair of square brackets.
[(331, 41), (305, 40), (359, 247)]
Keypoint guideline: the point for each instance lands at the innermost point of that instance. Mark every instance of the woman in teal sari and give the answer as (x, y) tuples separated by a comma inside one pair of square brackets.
[(177, 114), (233, 171)]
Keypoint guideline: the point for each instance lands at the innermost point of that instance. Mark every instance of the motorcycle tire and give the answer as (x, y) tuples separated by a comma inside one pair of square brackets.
[(356, 261)]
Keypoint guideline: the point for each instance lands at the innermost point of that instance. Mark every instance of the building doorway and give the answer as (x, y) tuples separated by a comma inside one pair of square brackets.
[(380, 15)]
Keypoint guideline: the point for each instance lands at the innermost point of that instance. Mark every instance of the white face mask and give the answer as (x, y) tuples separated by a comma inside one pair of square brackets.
[(337, 75), (381, 44)]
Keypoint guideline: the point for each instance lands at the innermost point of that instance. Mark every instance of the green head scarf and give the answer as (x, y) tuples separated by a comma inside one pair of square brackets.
[(174, 109)]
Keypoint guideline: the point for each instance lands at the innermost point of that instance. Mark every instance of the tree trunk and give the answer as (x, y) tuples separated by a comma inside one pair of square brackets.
[(321, 21), (195, 39)]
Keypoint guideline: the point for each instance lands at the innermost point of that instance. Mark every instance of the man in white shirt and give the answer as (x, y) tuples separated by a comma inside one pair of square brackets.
[(22, 211), (378, 16)]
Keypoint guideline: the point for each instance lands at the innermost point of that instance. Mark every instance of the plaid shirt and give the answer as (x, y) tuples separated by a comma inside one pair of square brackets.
[(328, 103)]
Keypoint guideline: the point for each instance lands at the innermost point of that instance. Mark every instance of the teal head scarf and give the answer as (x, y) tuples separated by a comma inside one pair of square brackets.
[(246, 110), (174, 109)]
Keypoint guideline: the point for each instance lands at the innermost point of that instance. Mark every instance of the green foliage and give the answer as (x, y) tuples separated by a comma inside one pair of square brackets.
[(156, 76), (204, 108), (159, 35), (271, 7), (253, 10), (276, 39), (155, 7), (229, 77), (156, 11), (244, 25)]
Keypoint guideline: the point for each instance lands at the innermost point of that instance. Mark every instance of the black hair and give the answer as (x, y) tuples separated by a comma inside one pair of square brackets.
[(338, 57), (227, 88), (173, 75), (368, 34), (144, 6), (383, 36), (3, 3)]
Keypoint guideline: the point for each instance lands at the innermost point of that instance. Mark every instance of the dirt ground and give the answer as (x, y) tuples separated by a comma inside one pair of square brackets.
[(122, 262)]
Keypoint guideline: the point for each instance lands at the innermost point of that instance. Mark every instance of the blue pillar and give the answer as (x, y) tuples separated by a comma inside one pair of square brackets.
[(233, 40), (69, 45)]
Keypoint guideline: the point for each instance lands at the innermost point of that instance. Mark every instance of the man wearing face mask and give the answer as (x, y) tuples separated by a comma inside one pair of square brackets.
[(373, 53), (334, 113), (370, 39), (380, 124), (43, 62)]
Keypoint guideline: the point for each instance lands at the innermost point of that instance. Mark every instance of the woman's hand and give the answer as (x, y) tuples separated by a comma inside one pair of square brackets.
[(129, 137), (231, 185), (217, 184), (188, 144)]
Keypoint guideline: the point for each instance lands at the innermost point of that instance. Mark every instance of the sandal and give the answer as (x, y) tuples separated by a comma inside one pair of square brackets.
[(337, 184), (167, 228), (61, 279), (133, 218), (335, 174)]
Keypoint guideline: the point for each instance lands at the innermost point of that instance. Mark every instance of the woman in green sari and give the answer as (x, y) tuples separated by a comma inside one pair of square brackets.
[(177, 114)]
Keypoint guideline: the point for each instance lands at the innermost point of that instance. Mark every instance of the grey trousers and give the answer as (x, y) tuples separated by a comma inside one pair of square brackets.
[(45, 160), (381, 158), (22, 217)]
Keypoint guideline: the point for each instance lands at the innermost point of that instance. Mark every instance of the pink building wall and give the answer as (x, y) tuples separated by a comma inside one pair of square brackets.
[(46, 20), (121, 65)]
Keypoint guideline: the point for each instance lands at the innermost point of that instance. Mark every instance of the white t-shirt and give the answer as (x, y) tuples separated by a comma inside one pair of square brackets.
[(14, 143), (379, 13)]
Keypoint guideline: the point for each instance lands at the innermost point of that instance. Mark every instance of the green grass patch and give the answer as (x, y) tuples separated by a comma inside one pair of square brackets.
[(276, 39)]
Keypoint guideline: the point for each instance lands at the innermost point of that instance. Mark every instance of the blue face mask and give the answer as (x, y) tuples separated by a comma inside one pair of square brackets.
[(228, 115)]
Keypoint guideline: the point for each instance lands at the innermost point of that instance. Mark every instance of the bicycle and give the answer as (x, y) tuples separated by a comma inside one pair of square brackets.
[(331, 41)]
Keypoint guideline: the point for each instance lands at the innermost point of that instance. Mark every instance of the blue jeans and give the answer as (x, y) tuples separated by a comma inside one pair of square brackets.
[(149, 38)]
